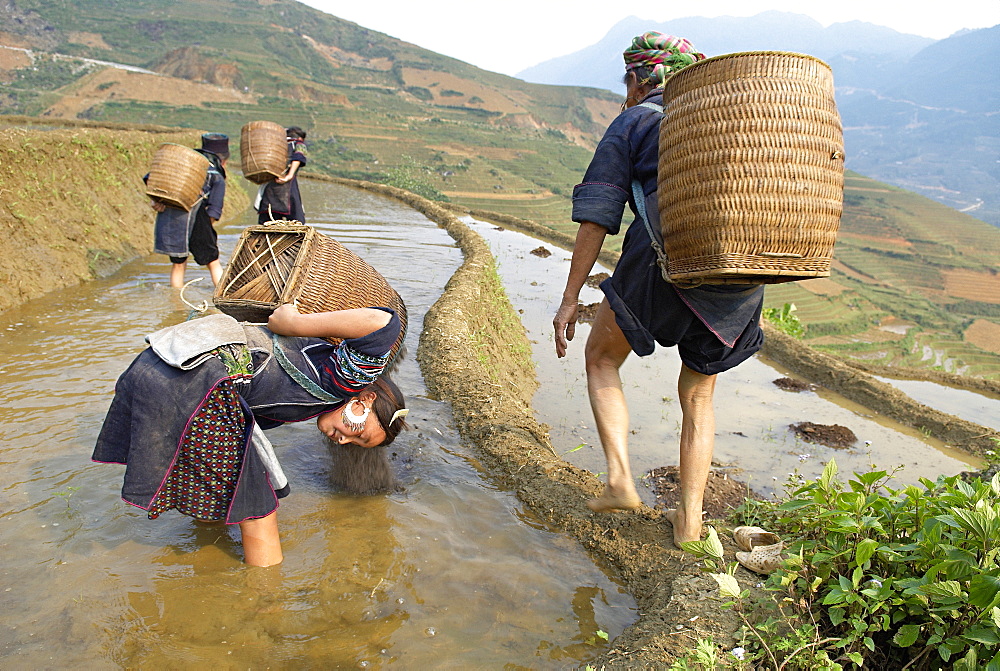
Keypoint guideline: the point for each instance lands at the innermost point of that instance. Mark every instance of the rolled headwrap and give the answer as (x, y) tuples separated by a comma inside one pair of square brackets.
[(662, 54)]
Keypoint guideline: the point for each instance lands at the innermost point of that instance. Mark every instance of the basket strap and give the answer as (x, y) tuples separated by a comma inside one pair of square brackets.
[(300, 377), (640, 204)]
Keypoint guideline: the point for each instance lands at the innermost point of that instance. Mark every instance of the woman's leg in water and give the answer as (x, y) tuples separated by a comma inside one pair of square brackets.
[(261, 543)]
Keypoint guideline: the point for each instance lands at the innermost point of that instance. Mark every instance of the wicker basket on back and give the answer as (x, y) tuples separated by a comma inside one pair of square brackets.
[(263, 151), (177, 176), (283, 262), (751, 169)]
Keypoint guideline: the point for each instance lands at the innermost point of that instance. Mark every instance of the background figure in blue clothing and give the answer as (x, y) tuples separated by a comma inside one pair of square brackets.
[(280, 199), (177, 233), (714, 327)]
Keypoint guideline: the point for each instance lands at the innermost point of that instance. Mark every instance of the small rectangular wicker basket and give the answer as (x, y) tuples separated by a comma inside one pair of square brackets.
[(177, 176), (263, 151)]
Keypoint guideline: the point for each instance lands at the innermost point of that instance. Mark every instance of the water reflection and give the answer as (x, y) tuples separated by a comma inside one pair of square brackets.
[(452, 571), (983, 409)]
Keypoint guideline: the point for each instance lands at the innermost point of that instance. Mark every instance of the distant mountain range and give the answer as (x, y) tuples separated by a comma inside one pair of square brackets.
[(918, 113)]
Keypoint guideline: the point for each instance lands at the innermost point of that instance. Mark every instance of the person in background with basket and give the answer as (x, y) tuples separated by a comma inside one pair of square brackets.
[(280, 198), (176, 232), (715, 327), (187, 414)]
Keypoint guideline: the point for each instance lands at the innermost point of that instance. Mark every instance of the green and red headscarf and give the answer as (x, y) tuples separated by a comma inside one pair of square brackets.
[(662, 54)]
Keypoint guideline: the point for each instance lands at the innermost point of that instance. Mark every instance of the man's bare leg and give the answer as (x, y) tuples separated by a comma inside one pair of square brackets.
[(697, 444), (606, 351)]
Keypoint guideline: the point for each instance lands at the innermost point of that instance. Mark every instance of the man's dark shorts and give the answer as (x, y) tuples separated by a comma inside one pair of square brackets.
[(204, 241), (671, 323)]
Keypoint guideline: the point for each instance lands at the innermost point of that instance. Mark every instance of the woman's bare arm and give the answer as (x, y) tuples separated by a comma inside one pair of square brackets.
[(355, 323)]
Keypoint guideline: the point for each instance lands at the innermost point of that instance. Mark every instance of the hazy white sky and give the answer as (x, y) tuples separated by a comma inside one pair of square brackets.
[(510, 35)]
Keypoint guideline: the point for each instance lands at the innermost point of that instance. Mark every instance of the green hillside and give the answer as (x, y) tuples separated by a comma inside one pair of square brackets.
[(369, 102)]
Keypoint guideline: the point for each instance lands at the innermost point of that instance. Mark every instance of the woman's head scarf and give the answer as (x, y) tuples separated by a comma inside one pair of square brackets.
[(662, 54)]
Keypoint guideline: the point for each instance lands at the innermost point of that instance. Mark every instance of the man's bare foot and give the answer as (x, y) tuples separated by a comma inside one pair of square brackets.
[(684, 531), (608, 502)]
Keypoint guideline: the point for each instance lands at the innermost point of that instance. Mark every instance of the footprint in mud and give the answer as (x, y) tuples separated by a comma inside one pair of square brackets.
[(594, 281), (585, 313), (723, 492)]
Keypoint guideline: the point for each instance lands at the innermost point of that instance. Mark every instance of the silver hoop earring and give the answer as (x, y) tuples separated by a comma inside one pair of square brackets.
[(353, 421)]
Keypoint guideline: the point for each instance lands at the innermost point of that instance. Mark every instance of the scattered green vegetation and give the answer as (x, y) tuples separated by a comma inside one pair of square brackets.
[(874, 577), (412, 176), (784, 320), (48, 73), (501, 319)]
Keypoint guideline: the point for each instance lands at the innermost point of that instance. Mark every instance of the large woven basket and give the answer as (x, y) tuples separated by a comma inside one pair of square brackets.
[(263, 151), (751, 171), (284, 262), (177, 176)]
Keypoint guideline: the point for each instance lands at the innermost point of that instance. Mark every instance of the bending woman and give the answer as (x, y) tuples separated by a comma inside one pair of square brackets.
[(187, 414)]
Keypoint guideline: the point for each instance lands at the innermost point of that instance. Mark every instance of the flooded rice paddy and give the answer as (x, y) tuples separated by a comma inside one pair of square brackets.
[(753, 438), (450, 573)]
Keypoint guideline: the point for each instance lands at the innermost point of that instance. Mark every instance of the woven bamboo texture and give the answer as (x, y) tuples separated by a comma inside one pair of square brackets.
[(751, 169), (263, 151), (177, 176), (283, 262)]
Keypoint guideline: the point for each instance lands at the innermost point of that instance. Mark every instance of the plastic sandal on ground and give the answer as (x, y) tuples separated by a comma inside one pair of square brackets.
[(762, 559), (747, 538)]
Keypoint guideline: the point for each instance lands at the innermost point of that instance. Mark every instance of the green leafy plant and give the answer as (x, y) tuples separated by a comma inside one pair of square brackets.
[(784, 320), (67, 494), (702, 658), (903, 578)]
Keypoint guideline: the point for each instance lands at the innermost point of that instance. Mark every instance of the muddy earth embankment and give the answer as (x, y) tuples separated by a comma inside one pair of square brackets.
[(72, 202)]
